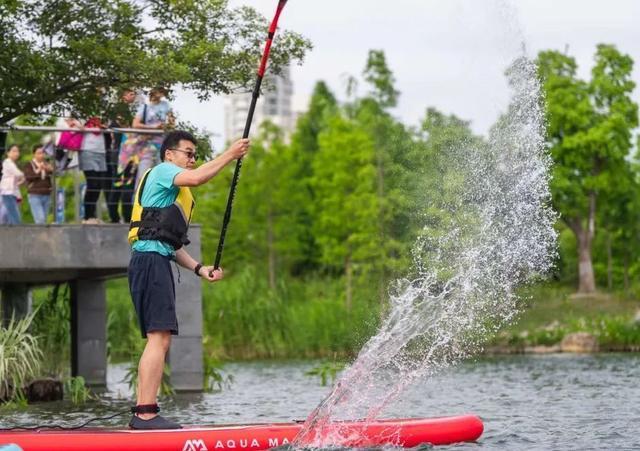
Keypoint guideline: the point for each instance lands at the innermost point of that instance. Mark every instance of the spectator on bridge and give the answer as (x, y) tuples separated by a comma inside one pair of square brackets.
[(68, 143), (93, 163), (122, 178), (12, 178), (38, 175), (144, 150)]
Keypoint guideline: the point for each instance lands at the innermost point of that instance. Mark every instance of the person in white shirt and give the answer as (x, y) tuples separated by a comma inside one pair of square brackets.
[(12, 178), (93, 162)]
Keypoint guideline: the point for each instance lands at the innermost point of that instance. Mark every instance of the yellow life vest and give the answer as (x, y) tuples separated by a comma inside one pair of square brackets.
[(167, 224)]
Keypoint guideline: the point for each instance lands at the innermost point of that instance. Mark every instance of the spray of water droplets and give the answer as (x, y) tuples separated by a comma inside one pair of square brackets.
[(497, 235)]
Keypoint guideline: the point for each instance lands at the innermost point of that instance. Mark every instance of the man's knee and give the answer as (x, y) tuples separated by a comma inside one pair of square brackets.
[(160, 338)]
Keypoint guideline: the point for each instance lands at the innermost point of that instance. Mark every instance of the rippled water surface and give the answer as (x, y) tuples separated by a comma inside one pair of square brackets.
[(552, 402)]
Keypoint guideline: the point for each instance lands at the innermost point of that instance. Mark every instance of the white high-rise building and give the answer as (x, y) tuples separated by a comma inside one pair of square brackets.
[(273, 104)]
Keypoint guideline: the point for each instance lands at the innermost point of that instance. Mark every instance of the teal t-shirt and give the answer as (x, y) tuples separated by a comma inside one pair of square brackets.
[(159, 191)]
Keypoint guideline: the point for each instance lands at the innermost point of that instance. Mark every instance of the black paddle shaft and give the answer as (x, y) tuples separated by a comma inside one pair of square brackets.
[(247, 129)]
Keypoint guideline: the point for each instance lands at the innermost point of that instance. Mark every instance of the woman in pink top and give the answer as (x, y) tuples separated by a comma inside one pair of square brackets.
[(12, 178)]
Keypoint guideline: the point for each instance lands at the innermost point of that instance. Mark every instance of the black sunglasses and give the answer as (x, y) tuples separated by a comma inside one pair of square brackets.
[(188, 153)]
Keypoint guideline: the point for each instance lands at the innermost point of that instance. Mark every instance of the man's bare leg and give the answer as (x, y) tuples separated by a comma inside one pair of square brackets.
[(151, 368)]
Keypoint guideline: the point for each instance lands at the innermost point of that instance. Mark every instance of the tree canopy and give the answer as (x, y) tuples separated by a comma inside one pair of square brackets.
[(63, 55)]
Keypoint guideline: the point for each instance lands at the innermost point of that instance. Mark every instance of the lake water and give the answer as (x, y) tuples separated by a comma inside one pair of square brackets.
[(550, 402)]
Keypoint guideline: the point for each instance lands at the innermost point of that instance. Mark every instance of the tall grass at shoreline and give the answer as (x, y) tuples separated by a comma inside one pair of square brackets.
[(300, 318), (244, 319)]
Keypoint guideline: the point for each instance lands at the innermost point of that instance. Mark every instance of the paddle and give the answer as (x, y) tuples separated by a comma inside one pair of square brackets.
[(247, 128)]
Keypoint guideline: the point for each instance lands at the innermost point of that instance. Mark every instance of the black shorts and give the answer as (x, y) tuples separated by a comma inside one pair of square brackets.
[(153, 292)]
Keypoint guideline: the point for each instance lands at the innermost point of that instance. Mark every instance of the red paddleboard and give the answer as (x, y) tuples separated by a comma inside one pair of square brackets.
[(402, 433)]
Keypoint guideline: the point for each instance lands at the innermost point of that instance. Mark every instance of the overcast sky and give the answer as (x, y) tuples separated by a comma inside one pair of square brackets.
[(450, 54)]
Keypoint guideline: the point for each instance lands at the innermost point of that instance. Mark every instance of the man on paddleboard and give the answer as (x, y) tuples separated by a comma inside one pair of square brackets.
[(159, 223)]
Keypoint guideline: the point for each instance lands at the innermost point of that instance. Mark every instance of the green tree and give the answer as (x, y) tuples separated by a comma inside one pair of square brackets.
[(439, 182), (322, 106), (589, 133), (63, 55), (260, 211), (619, 217), (297, 173), (378, 74), (346, 205), (263, 228), (394, 161), (441, 134)]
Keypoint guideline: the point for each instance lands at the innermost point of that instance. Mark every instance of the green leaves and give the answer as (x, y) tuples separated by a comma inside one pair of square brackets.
[(166, 390), (64, 56), (346, 205), (77, 391), (20, 356), (589, 123), (326, 371), (380, 77)]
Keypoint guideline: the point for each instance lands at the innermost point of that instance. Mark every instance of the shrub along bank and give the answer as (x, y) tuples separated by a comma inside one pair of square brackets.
[(551, 312)]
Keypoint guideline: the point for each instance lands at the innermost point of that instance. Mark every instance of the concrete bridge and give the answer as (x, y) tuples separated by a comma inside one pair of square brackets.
[(86, 256)]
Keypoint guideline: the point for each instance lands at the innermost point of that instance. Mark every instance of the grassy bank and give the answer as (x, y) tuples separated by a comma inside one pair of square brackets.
[(552, 311)]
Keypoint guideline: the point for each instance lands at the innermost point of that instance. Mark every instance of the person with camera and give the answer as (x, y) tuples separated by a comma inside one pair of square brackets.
[(37, 173)]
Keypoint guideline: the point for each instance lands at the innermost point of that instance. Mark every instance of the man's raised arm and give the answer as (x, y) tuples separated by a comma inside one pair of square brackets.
[(204, 173)]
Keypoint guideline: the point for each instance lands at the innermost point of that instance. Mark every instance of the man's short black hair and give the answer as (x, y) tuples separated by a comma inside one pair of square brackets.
[(172, 140), (36, 147)]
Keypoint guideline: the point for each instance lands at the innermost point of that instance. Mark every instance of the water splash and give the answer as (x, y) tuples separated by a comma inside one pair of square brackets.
[(497, 233)]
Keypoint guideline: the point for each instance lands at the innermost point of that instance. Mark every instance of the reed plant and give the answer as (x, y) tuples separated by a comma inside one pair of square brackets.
[(52, 325), (20, 357), (215, 378), (77, 391), (131, 378), (326, 371), (124, 342)]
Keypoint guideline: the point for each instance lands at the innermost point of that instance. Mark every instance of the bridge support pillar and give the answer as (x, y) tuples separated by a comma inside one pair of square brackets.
[(16, 301), (89, 331)]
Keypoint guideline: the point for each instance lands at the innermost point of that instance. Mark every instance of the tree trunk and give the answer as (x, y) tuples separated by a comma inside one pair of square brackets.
[(381, 231), (626, 273), (348, 270), (271, 253), (584, 235), (609, 262), (587, 281)]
